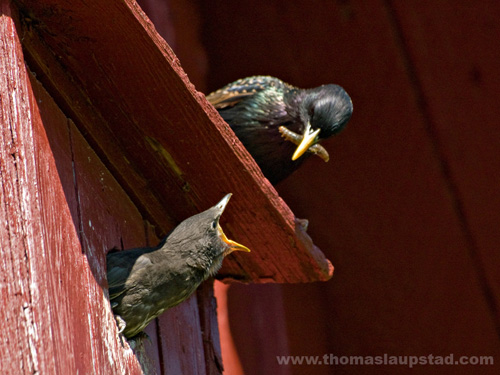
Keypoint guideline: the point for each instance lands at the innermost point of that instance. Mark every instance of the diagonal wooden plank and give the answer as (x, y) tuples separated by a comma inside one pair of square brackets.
[(158, 135)]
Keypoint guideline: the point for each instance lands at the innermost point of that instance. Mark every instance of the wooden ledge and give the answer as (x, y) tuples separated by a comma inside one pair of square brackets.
[(120, 82)]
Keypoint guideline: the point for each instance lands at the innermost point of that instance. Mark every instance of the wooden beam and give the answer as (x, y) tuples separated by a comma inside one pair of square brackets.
[(122, 85)]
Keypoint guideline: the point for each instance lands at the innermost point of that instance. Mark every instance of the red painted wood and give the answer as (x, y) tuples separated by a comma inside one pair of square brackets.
[(181, 339), (231, 359), (19, 215), (107, 219), (109, 224), (258, 327), (456, 62), (65, 281), (87, 334), (46, 274), (165, 143), (62, 210), (207, 305)]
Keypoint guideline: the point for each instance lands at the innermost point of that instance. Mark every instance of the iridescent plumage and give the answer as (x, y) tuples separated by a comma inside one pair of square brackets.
[(256, 107)]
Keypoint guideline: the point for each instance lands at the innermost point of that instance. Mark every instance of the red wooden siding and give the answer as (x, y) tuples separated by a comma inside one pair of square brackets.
[(56, 300)]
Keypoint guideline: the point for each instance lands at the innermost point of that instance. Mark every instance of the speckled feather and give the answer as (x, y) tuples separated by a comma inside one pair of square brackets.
[(233, 93), (255, 108)]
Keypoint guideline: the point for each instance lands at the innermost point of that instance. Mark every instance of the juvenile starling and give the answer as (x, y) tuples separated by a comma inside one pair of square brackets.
[(144, 282), (279, 124)]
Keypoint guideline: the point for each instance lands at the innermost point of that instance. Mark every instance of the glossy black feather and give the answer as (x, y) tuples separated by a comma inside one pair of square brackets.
[(256, 107)]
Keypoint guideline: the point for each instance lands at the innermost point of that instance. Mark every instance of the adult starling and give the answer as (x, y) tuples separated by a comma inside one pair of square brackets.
[(279, 124), (144, 282)]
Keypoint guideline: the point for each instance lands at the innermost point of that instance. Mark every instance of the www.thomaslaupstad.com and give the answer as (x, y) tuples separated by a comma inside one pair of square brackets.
[(385, 359)]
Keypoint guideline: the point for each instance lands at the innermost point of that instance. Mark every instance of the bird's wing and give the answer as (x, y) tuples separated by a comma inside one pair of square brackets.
[(235, 92), (120, 265)]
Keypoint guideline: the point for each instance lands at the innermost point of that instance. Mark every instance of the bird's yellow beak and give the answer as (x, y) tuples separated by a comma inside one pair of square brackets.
[(310, 138), (233, 245)]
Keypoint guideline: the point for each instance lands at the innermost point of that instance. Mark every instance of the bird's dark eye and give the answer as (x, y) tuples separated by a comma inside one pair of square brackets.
[(214, 225)]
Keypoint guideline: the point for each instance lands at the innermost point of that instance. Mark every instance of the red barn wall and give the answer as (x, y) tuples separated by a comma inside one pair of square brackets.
[(406, 207), (61, 210)]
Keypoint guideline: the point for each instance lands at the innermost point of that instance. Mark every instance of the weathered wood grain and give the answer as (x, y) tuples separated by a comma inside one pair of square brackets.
[(207, 306), (181, 340), (64, 264), (20, 238), (81, 322), (107, 219), (45, 273), (104, 218)]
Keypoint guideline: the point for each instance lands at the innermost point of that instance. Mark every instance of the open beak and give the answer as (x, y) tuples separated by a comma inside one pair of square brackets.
[(233, 245), (309, 139)]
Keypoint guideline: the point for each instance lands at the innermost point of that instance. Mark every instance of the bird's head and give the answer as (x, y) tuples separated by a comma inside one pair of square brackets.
[(204, 241), (325, 111)]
